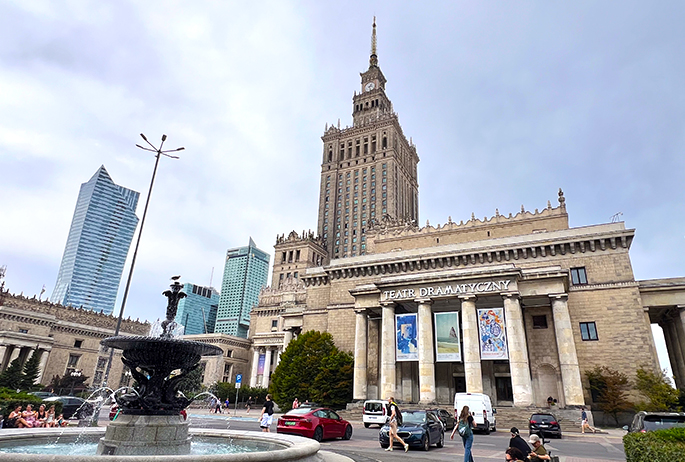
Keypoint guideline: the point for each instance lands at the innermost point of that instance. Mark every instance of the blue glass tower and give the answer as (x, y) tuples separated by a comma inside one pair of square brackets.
[(245, 273), (197, 311), (99, 238)]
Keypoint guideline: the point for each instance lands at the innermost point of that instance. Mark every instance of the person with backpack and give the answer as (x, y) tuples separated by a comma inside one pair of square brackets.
[(393, 423), (464, 428)]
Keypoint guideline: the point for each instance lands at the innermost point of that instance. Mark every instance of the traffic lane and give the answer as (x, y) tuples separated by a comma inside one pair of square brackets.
[(364, 442)]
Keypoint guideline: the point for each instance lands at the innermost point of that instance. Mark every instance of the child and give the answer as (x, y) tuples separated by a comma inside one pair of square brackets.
[(61, 422)]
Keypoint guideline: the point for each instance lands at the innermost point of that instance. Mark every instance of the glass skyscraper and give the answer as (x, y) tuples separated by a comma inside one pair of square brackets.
[(197, 311), (245, 273), (99, 238)]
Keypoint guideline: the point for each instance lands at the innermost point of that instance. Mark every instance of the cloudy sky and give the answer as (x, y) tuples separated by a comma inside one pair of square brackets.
[(505, 101)]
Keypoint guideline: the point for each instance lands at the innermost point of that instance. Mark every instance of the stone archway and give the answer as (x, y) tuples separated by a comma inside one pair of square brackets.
[(546, 383)]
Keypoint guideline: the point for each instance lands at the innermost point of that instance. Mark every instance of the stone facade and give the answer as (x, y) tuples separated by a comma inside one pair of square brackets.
[(223, 368), (67, 338), (567, 296)]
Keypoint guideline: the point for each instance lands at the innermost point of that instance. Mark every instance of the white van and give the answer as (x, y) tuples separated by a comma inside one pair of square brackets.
[(481, 409), (375, 412)]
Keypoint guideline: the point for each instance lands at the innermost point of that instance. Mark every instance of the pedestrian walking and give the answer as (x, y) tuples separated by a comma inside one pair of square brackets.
[(296, 404), (465, 429), (266, 417), (249, 403), (226, 403), (584, 423), (395, 421), (217, 409)]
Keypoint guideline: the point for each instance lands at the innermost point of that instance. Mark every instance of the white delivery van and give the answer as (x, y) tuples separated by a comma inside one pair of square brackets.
[(375, 412), (480, 407)]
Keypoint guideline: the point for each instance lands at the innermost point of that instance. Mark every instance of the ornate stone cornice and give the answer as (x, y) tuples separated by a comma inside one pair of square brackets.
[(607, 285)]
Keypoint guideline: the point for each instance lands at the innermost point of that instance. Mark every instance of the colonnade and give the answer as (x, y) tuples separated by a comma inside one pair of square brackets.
[(516, 336), (674, 334), (268, 351), (10, 352)]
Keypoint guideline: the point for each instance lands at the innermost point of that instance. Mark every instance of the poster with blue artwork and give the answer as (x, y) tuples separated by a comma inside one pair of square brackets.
[(493, 338), (407, 346)]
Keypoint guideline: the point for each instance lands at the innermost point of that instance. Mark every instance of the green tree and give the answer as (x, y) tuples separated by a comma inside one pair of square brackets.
[(12, 376), (656, 387), (610, 390), (312, 368), (191, 384), (68, 384), (31, 372)]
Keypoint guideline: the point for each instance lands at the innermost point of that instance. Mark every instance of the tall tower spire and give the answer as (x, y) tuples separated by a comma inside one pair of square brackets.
[(373, 60)]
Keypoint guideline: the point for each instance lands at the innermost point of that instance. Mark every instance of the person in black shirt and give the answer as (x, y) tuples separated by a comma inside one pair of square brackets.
[(517, 442), (266, 417)]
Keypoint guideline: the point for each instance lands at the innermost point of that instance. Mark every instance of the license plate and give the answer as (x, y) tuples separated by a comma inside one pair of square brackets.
[(544, 426), (289, 423)]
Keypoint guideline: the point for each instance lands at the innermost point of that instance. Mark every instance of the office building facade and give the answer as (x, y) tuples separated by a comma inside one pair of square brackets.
[(197, 311), (245, 273), (99, 239)]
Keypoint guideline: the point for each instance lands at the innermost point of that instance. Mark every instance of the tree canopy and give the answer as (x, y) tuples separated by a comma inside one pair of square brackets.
[(313, 368), (609, 389), (658, 390)]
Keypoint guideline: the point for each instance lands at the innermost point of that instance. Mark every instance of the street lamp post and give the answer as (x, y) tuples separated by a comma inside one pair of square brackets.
[(158, 153)]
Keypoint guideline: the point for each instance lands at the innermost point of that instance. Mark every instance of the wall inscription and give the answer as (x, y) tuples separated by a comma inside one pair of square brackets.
[(447, 289)]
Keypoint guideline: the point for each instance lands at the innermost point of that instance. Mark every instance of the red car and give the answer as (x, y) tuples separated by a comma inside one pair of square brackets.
[(318, 423)]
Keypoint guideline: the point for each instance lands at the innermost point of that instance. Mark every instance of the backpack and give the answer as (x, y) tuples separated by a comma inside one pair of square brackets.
[(463, 429), (398, 414)]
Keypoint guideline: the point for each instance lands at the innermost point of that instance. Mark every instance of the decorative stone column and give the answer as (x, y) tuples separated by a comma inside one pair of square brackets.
[(255, 364), (671, 354), (426, 352), (14, 355), (568, 359), (3, 352), (469, 322), (387, 350), (361, 342), (679, 327), (519, 366), (674, 350), (267, 368), (44, 354), (287, 337)]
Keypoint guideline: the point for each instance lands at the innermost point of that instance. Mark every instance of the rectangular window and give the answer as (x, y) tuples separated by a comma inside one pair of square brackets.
[(73, 361), (588, 331), (102, 363), (505, 391), (578, 276), (540, 322), (78, 343), (274, 323)]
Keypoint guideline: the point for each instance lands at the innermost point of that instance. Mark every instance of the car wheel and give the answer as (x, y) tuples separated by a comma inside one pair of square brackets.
[(318, 434), (367, 425), (425, 444), (441, 441), (348, 432), (487, 427)]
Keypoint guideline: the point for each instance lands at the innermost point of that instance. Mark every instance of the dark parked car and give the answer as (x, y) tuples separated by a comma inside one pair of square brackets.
[(73, 407), (544, 425), (42, 394), (649, 421), (318, 423), (446, 417), (419, 429)]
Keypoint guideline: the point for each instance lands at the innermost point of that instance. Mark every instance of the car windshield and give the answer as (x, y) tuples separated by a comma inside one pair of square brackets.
[(299, 411), (409, 417), (659, 422)]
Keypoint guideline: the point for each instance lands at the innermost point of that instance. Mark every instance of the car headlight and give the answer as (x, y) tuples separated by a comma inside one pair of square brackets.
[(384, 431), (417, 432)]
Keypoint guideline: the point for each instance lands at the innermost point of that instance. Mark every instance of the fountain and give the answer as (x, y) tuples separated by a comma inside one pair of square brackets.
[(150, 425)]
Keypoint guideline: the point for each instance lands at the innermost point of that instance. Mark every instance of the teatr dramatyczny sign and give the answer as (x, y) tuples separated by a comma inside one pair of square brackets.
[(447, 289)]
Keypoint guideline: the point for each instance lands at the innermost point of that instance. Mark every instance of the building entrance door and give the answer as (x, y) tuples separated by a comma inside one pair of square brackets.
[(460, 384)]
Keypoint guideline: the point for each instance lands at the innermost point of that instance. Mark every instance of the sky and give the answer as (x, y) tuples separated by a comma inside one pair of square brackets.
[(506, 102)]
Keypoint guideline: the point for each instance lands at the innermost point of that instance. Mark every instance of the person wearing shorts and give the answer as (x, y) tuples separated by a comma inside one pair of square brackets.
[(267, 415)]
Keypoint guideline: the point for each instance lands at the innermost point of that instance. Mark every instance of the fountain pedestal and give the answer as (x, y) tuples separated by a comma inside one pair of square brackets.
[(146, 434)]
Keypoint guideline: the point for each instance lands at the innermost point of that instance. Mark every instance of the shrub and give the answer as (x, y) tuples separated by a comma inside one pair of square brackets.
[(10, 399), (657, 446)]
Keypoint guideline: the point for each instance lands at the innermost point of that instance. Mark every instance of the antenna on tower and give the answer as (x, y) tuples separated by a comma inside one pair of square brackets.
[(616, 217), (211, 277), (373, 59)]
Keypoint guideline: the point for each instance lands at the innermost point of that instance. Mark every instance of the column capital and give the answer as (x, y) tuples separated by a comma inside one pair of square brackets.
[(360, 310), (424, 300), (388, 303), (680, 308), (468, 298), (514, 294), (558, 296)]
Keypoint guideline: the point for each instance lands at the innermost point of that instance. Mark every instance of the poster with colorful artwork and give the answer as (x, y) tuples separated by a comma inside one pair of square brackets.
[(447, 348), (260, 364), (493, 339), (407, 345)]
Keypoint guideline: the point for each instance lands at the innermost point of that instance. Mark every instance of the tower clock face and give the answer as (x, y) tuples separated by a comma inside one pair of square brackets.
[(370, 86)]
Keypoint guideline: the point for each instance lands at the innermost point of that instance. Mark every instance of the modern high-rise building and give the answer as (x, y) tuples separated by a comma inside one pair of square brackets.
[(245, 273), (197, 311), (368, 171), (99, 238)]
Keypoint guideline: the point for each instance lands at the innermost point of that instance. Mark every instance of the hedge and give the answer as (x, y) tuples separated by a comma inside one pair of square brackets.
[(9, 400), (655, 446)]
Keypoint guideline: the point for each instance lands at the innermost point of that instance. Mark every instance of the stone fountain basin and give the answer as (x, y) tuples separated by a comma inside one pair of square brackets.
[(284, 448), (156, 352)]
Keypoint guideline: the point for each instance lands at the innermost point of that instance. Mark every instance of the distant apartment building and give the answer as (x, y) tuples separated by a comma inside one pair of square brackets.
[(197, 311), (245, 273), (99, 239)]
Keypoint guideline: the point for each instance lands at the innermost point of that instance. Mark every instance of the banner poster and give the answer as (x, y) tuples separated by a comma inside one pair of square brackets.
[(447, 347), (260, 364), (407, 346), (493, 339)]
